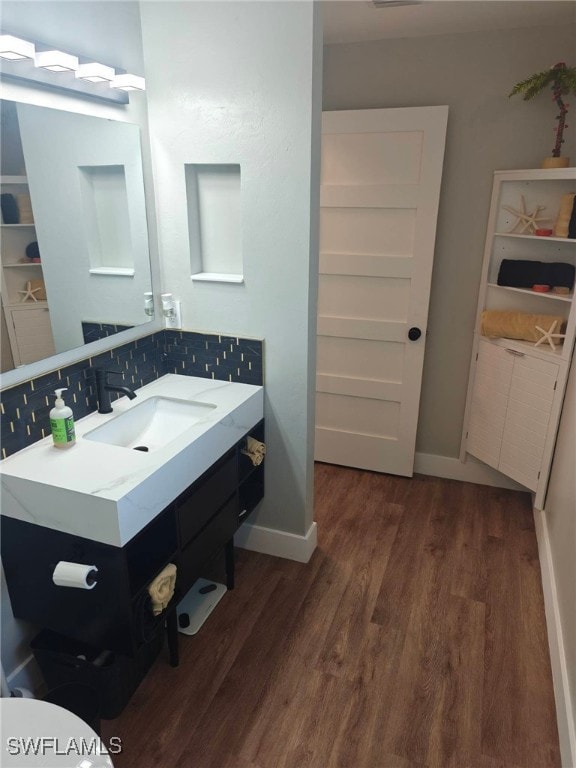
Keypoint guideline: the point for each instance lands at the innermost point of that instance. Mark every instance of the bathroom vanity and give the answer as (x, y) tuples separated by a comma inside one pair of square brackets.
[(128, 512)]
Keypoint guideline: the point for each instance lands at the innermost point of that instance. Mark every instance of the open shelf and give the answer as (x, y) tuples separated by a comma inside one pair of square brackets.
[(536, 237), (6, 180), (245, 466), (251, 478), (23, 266), (548, 295)]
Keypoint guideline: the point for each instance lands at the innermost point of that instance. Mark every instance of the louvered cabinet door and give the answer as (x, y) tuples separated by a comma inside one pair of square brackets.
[(492, 381), (530, 401)]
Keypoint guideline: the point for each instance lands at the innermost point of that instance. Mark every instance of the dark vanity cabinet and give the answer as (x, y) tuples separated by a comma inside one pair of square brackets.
[(116, 615)]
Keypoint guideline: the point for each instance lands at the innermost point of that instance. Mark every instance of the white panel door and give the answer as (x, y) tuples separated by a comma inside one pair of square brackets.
[(381, 174)]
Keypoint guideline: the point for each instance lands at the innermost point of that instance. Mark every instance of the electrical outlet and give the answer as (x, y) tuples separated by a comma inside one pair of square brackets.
[(175, 319)]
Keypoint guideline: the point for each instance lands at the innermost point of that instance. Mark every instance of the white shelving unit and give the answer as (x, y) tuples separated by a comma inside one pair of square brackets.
[(516, 389), (28, 322)]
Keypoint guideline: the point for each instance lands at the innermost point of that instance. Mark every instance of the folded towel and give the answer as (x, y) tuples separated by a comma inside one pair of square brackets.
[(255, 451), (9, 207), (161, 589), (564, 215), (25, 209), (39, 289), (517, 325), (524, 273)]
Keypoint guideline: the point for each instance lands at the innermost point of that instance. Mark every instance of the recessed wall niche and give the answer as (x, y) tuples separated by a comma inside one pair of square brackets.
[(107, 219), (214, 222)]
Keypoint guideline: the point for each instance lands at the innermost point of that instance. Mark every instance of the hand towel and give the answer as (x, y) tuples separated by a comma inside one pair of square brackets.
[(255, 450), (161, 589)]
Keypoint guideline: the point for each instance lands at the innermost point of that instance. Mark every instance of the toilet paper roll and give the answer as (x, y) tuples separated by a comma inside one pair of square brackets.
[(75, 575)]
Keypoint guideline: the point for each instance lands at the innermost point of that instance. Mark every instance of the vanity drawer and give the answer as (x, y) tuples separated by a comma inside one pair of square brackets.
[(199, 551), (195, 508)]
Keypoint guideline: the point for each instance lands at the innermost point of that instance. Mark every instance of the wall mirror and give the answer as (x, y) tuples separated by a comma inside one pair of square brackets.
[(74, 241)]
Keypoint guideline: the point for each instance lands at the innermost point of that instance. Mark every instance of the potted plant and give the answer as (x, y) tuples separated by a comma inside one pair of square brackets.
[(562, 82)]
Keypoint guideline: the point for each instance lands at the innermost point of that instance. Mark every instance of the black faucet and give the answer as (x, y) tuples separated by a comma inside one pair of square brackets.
[(103, 389)]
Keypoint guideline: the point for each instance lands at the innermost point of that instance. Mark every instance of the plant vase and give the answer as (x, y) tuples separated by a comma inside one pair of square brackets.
[(556, 162)]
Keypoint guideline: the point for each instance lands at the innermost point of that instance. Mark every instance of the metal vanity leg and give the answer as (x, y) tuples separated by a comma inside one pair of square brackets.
[(172, 637), (229, 554)]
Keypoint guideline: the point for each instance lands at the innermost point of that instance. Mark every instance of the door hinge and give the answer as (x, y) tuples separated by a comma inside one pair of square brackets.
[(466, 435), (476, 355), (555, 385), (538, 478)]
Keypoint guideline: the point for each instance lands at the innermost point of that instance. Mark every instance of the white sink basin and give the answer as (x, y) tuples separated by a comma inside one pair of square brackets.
[(151, 424)]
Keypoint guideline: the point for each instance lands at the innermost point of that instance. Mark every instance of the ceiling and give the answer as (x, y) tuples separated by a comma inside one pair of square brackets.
[(349, 21)]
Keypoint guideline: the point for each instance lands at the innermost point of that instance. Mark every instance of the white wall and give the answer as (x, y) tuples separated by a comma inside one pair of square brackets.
[(560, 517), (473, 74), (237, 83), (112, 35)]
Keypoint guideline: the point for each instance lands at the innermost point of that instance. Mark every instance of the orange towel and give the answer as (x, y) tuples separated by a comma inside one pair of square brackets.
[(517, 325)]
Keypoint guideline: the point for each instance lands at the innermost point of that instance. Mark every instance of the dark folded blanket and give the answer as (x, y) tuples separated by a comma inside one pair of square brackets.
[(9, 206), (520, 273)]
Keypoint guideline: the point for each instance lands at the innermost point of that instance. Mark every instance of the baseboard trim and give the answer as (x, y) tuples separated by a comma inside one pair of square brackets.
[(471, 471), (26, 675), (269, 541), (564, 711)]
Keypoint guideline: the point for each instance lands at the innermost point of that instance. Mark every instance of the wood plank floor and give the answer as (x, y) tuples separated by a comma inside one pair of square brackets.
[(414, 637)]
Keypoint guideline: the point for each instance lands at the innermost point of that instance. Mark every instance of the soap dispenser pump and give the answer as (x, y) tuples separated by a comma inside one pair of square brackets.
[(62, 422)]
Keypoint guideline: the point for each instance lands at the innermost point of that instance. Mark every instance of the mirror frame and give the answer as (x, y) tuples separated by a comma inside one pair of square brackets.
[(33, 370), (23, 94)]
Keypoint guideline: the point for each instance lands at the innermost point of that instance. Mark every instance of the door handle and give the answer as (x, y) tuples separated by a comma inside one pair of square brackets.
[(514, 352), (414, 334)]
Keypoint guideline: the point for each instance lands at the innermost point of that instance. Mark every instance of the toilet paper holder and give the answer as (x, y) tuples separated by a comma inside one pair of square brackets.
[(75, 575)]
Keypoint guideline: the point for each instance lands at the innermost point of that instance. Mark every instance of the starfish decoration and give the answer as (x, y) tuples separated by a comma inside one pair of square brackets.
[(29, 292), (549, 335), (527, 221)]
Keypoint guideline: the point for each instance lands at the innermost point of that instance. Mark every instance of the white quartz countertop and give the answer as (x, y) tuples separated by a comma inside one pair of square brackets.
[(108, 493)]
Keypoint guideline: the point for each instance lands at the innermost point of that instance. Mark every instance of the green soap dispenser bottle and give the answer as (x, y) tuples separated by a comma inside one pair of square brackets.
[(62, 423)]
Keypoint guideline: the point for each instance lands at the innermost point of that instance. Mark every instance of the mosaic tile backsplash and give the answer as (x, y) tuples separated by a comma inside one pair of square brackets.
[(25, 408), (226, 358), (95, 331)]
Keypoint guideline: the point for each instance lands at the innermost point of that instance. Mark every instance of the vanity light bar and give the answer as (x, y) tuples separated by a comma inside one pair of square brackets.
[(35, 61), (14, 48)]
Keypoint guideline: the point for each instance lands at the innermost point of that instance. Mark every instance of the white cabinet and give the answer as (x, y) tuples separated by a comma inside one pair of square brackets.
[(512, 399), (32, 332), (516, 389), (28, 322)]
